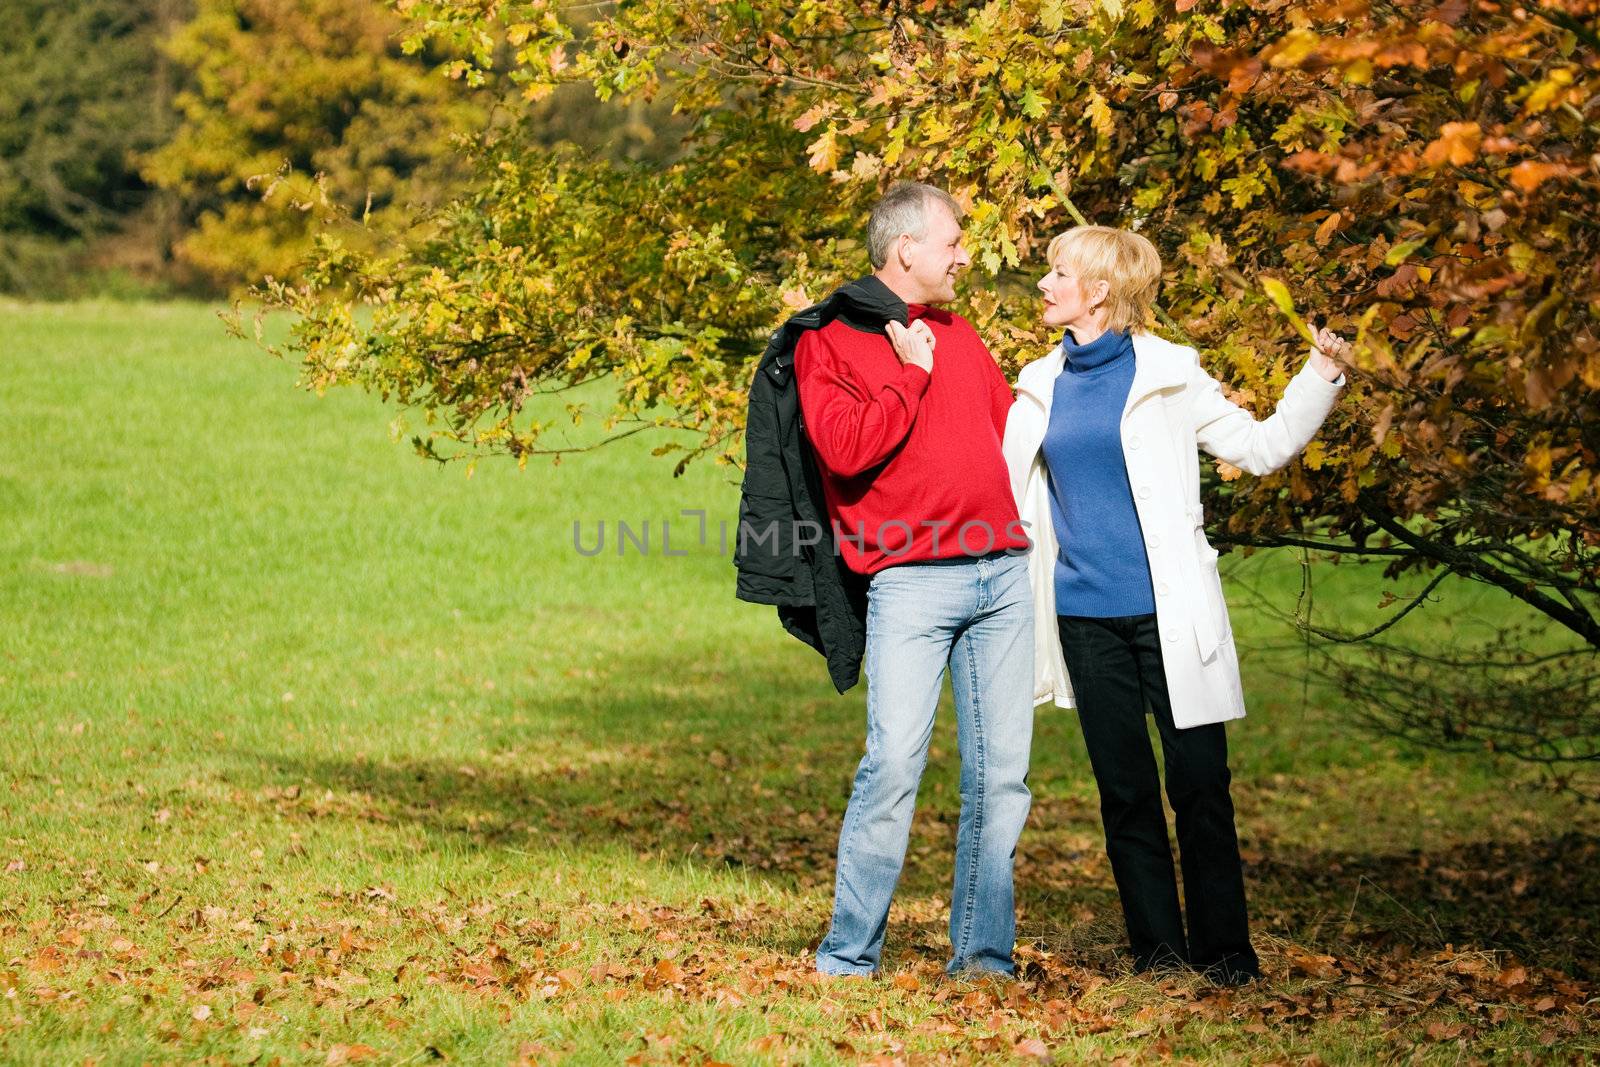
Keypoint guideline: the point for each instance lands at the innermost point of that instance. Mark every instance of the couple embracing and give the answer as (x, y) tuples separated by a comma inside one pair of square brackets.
[(1040, 546)]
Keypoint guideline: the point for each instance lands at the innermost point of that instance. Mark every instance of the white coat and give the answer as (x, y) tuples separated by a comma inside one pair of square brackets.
[(1173, 409)]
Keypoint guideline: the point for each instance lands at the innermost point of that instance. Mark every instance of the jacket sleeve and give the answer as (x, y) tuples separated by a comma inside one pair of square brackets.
[(1233, 435), (852, 430)]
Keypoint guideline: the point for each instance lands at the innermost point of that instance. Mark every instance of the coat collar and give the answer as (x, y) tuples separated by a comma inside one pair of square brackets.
[(869, 299), (865, 304), (1157, 364)]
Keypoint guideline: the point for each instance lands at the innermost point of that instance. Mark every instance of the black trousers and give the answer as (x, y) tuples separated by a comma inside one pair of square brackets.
[(1116, 671)]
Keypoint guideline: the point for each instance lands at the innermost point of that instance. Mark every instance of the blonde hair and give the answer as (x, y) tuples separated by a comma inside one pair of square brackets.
[(1127, 262)]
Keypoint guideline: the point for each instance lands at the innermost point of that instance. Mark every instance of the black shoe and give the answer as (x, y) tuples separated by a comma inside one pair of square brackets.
[(1163, 961), (1227, 974)]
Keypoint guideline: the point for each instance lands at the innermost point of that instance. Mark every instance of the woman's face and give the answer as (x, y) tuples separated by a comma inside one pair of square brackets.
[(1067, 302)]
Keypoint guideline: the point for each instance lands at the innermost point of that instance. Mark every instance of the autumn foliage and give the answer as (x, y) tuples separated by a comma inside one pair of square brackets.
[(299, 117), (1419, 175)]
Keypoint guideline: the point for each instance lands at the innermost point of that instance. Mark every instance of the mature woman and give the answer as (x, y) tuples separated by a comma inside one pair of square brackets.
[(1102, 445)]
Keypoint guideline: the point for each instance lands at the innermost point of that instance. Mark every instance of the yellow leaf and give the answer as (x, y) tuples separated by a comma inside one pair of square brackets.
[(1294, 49), (1278, 293), (1474, 193), (824, 153), (1100, 114), (866, 165), (1545, 93)]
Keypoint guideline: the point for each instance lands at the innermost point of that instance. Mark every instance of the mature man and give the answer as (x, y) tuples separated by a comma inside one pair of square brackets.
[(916, 490)]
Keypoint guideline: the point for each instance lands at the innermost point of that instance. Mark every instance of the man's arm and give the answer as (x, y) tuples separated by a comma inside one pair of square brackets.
[(1001, 397), (850, 430)]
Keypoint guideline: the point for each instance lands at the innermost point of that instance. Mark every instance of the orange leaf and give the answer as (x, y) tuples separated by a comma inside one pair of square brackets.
[(811, 117), (1512, 976), (1311, 963), (665, 972), (1032, 1047), (1329, 226), (1458, 143), (1532, 173)]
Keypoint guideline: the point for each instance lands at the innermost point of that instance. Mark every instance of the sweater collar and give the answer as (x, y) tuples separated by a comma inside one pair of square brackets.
[(1102, 351), (1157, 364)]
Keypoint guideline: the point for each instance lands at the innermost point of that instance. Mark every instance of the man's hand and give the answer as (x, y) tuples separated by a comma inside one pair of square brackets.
[(913, 345), (1330, 354)]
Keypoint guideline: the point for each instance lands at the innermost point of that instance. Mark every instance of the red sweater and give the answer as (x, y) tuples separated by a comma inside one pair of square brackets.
[(911, 465)]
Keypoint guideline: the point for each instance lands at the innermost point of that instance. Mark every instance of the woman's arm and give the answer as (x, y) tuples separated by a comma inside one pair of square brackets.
[(1233, 435)]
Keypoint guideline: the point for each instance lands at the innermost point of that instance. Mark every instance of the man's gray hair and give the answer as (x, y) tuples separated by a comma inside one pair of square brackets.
[(903, 210)]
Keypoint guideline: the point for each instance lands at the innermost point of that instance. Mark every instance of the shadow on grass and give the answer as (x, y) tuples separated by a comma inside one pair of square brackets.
[(767, 796)]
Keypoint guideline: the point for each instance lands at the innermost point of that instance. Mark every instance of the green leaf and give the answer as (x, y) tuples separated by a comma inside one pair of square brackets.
[(1397, 255)]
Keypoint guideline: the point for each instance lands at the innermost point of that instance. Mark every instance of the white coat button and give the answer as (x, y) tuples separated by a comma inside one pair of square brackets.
[(1133, 442), (1144, 492), (1172, 636), (1162, 589), (1154, 542)]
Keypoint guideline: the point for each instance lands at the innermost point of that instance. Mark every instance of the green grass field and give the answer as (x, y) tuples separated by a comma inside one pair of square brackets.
[(316, 753)]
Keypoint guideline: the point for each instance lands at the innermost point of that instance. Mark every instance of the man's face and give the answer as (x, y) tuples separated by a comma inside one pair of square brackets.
[(935, 260)]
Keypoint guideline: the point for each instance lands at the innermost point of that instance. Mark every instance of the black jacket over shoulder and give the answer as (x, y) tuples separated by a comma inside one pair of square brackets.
[(784, 549)]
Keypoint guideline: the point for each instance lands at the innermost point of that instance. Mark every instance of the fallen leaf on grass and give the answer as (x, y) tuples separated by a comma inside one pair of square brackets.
[(664, 973), (1032, 1048), (1512, 976), (1441, 1031), (1309, 963)]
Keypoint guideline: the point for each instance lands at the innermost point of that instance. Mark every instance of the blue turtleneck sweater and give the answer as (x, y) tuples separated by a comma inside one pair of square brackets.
[(1102, 570)]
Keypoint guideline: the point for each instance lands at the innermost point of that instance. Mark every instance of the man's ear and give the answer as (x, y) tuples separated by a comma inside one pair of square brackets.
[(902, 250)]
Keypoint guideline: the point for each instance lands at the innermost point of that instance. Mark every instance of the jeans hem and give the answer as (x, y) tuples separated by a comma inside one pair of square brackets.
[(845, 972), (975, 970)]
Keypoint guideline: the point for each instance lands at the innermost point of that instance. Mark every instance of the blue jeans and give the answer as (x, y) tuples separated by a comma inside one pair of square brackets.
[(974, 615)]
